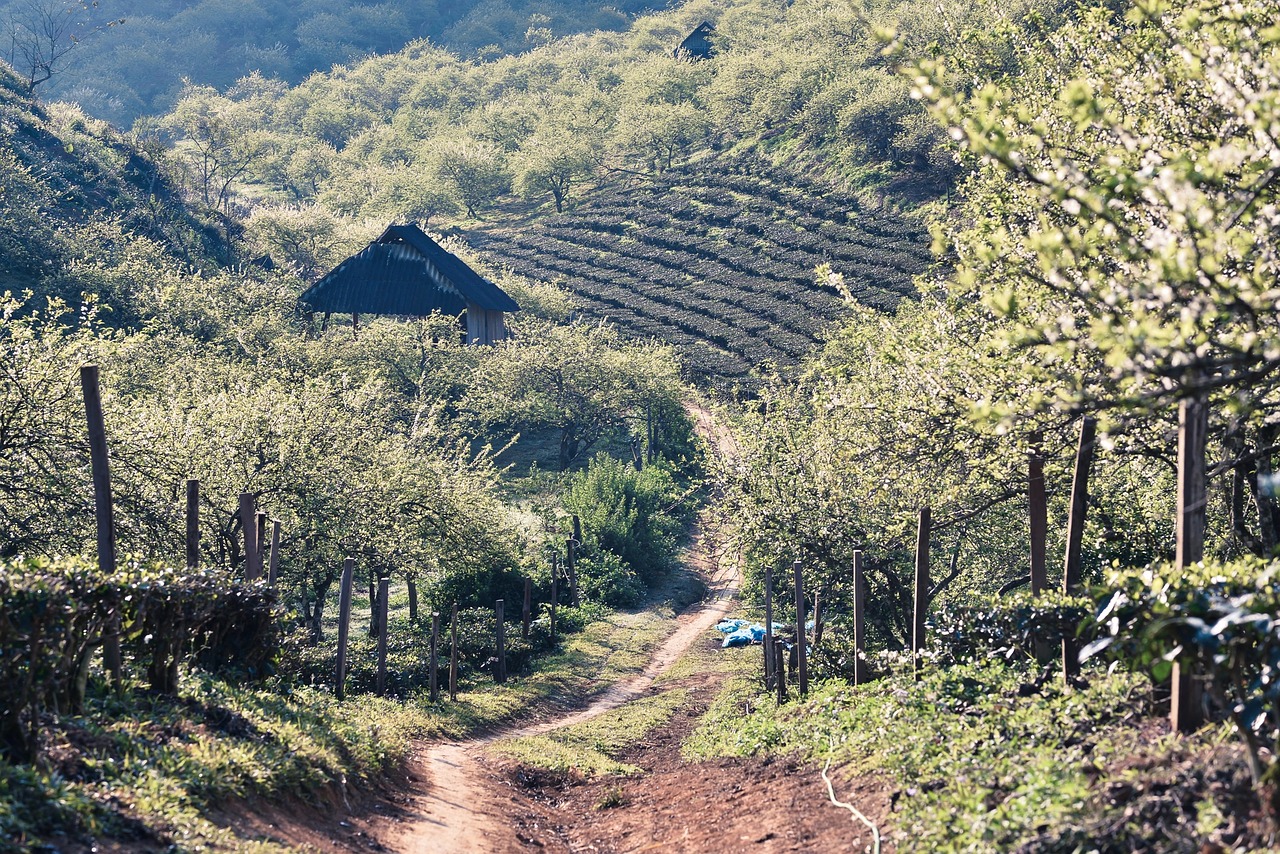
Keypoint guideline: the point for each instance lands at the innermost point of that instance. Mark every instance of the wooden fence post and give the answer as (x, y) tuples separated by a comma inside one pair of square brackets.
[(500, 668), (780, 669), (577, 528), (571, 547), (802, 638), (435, 657), (373, 604), (1038, 509), (525, 610), (273, 561), (1072, 562), (555, 592), (249, 524), (859, 616), (453, 654), (1185, 714), (413, 601), (104, 511), (344, 621), (769, 673), (921, 598), (817, 616), (384, 586), (193, 524)]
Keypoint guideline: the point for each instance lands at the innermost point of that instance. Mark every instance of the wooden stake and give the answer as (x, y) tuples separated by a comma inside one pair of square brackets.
[(859, 620), (769, 673), (273, 562), (413, 601), (1073, 561), (802, 665), (500, 668), (434, 663), (384, 586), (571, 546), (525, 610), (780, 669), (344, 625), (453, 653), (921, 599), (817, 616), (1038, 509), (249, 525), (193, 524), (104, 511), (555, 592), (1185, 712)]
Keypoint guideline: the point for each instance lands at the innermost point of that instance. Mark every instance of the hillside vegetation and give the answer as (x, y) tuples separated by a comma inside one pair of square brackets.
[(718, 258)]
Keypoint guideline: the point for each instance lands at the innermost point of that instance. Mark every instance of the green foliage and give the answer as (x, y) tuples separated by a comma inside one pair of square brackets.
[(632, 514), (1219, 621), (57, 613), (1008, 627)]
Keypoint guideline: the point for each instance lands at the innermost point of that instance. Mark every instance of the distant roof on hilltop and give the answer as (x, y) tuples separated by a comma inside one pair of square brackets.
[(698, 44), (404, 272)]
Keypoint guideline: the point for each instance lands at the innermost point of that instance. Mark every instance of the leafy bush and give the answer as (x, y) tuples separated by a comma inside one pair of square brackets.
[(1223, 622), (605, 577), (1008, 627), (57, 612), (627, 512)]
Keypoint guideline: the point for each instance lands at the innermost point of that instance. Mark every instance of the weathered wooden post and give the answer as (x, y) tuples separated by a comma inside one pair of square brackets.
[(1185, 714), (525, 610), (435, 659), (453, 654), (500, 667), (921, 598), (384, 586), (193, 524), (780, 669), (859, 618), (373, 604), (768, 628), (104, 511), (555, 592), (1038, 509), (571, 546), (413, 601), (802, 637), (817, 616), (273, 561), (1072, 562), (249, 525), (344, 623)]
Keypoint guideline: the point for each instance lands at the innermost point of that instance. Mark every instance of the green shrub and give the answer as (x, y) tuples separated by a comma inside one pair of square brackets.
[(632, 514), (1008, 627)]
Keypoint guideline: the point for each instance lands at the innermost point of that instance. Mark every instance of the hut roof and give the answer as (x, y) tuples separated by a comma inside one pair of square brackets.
[(698, 44), (404, 272)]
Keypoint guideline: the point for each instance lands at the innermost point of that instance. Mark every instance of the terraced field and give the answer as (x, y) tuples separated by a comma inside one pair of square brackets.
[(718, 259)]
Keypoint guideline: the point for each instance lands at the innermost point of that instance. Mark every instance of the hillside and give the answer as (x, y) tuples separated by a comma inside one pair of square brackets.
[(718, 258)]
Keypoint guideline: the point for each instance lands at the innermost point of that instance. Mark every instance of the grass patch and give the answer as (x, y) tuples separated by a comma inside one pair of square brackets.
[(979, 767), (591, 748)]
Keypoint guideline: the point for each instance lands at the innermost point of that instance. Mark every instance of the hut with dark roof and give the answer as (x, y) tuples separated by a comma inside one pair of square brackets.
[(406, 273), (698, 44)]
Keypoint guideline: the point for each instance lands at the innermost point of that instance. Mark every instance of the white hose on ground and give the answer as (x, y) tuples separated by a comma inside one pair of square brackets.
[(831, 792)]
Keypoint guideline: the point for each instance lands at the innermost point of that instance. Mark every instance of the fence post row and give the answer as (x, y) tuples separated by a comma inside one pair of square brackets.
[(1193, 427), (384, 586), (193, 524), (802, 665), (921, 598), (104, 511), (859, 629), (1071, 565), (344, 621)]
